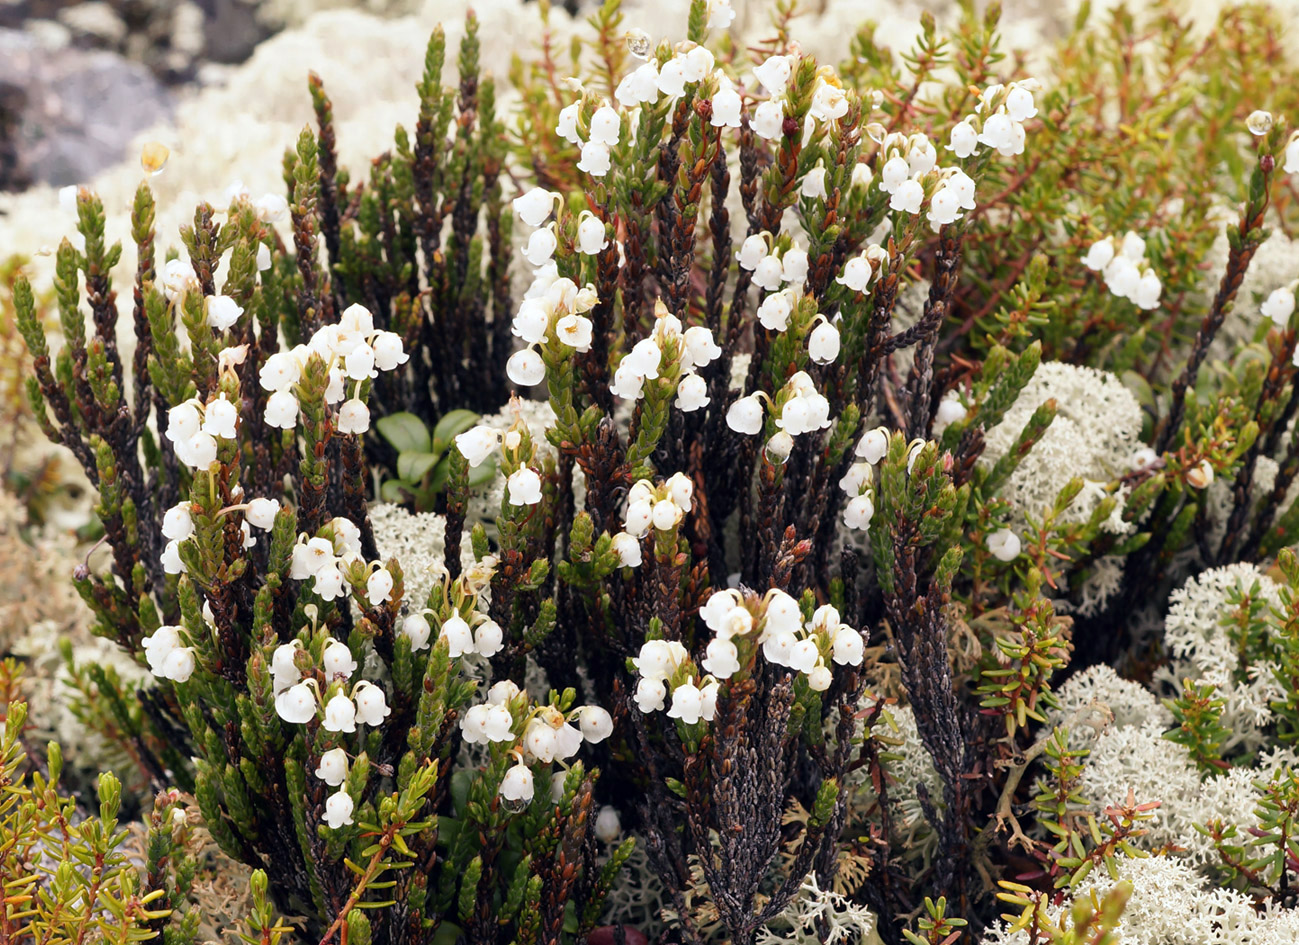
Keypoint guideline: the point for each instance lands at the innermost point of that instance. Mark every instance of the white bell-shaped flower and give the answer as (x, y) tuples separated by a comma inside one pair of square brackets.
[(672, 76), (340, 714), (1146, 294), (297, 704), (517, 783), (848, 645), (726, 108), (659, 659), (388, 351), (804, 655), (944, 207), (627, 547), (1004, 545), (337, 660), (774, 74), (535, 206), (950, 410), (768, 120), (177, 524), (769, 273), (823, 343), (170, 558), (489, 638), (626, 383), (964, 140), (746, 415), (908, 198), (782, 613), (595, 159), (566, 127), (1278, 306), (638, 518), (638, 87), (477, 444), (353, 417), (777, 647), (608, 826), (895, 172), (699, 348), (814, 184), (371, 704), (261, 513), (605, 126), (1099, 254), (329, 583), (338, 810), (819, 678), (718, 607), (416, 629), (752, 251), (595, 723), (856, 275), (721, 658), (665, 514), (524, 486), (333, 767), (541, 246), (460, 639), (692, 393), (687, 703), (590, 235), (1019, 103), (282, 410), (378, 587), (198, 452), (720, 16), (223, 312)]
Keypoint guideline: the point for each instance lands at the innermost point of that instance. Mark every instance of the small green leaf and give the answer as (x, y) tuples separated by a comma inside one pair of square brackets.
[(412, 466), (405, 431), (456, 422)]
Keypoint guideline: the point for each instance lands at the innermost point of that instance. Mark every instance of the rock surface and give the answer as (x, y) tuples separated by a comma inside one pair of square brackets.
[(68, 113)]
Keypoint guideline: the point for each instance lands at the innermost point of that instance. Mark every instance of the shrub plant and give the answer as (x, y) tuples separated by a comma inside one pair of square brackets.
[(808, 447)]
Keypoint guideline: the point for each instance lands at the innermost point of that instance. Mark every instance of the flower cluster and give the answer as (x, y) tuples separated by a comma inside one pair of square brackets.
[(798, 408), (539, 734), (311, 691), (669, 351), (168, 656), (662, 506), (466, 626), (328, 560), (1123, 271), (829, 100), (663, 664), (196, 429), (907, 163), (523, 481), (352, 350), (178, 525), (743, 625), (858, 483)]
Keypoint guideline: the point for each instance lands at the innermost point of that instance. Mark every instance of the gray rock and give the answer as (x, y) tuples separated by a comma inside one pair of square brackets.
[(233, 30), (78, 110)]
